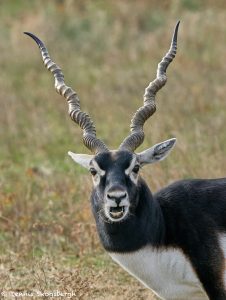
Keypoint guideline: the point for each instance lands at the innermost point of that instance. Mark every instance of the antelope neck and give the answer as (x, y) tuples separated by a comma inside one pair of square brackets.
[(144, 226)]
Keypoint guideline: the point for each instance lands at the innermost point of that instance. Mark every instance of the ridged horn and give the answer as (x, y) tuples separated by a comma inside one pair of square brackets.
[(81, 118), (136, 137)]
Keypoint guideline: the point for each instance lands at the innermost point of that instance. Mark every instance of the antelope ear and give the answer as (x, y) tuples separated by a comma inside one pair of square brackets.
[(156, 153), (82, 159)]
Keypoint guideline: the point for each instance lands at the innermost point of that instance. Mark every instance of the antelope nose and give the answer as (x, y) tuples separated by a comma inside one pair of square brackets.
[(116, 195)]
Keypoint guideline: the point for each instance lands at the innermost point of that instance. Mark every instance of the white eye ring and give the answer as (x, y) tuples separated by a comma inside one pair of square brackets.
[(93, 171), (136, 169)]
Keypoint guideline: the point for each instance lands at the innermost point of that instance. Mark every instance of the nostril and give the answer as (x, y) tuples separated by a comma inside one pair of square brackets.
[(117, 197), (110, 196), (123, 196)]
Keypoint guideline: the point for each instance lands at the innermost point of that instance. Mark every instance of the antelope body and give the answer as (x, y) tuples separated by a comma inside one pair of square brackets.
[(173, 241)]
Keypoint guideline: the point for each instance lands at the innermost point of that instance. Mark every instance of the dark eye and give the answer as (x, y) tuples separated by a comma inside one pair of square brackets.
[(136, 169), (93, 171)]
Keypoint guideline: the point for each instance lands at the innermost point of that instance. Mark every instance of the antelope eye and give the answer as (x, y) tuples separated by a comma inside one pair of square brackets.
[(136, 169), (93, 171)]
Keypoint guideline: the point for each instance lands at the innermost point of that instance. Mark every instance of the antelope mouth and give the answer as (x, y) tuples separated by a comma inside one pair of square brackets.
[(117, 212)]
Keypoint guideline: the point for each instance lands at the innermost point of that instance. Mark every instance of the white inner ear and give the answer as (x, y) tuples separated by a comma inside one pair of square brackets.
[(156, 153), (82, 159)]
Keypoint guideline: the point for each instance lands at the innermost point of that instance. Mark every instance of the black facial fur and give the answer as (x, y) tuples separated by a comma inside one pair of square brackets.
[(114, 166), (136, 230), (108, 160), (141, 227)]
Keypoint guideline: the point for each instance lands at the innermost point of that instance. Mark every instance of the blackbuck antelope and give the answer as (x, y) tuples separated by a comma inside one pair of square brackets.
[(174, 241)]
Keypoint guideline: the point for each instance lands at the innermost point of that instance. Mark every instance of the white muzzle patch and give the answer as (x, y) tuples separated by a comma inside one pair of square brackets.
[(116, 212)]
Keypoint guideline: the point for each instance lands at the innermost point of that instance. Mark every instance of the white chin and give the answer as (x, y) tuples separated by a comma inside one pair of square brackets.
[(116, 216)]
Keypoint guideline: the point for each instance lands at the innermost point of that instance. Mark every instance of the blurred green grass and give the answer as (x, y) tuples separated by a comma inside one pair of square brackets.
[(109, 51)]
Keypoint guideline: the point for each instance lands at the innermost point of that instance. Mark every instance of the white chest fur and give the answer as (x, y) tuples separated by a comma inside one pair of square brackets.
[(167, 272), (223, 248)]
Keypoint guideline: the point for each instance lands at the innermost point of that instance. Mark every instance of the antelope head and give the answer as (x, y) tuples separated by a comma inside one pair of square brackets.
[(115, 173)]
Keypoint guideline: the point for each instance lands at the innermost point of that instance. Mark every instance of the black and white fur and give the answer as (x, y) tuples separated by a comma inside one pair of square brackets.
[(174, 241)]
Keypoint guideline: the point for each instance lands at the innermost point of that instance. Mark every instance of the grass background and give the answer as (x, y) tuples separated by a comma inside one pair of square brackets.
[(109, 51)]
